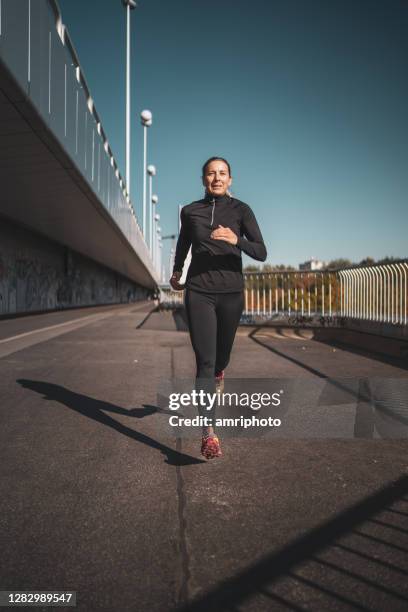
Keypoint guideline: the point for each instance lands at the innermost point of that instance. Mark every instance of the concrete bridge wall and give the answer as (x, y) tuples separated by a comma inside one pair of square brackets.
[(37, 274), (58, 177)]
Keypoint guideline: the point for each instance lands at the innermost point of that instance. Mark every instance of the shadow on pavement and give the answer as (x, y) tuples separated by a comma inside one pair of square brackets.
[(165, 320), (320, 336), (180, 319), (397, 362), (253, 337), (147, 317), (383, 410), (94, 409), (299, 562)]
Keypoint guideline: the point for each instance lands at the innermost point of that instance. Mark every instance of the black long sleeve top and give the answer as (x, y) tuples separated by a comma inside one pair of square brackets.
[(216, 265)]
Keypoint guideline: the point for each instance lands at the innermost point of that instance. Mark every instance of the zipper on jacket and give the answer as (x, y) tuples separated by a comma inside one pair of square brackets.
[(212, 213)]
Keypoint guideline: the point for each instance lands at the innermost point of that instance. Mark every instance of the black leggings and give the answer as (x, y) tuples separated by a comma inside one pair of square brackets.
[(213, 319)]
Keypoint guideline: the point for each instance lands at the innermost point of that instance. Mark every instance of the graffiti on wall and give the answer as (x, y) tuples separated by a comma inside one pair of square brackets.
[(50, 277)]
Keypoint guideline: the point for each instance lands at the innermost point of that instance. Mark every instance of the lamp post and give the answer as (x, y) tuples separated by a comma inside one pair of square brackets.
[(171, 260), (156, 219), (159, 248), (151, 171), (130, 5), (162, 275), (171, 237), (154, 202), (147, 120)]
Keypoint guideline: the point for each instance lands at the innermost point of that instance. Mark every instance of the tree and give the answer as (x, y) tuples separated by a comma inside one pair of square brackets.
[(251, 268), (388, 259), (338, 263), (367, 261), (283, 267)]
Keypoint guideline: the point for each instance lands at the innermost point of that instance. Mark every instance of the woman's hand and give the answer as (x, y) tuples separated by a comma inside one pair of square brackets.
[(174, 281), (224, 233)]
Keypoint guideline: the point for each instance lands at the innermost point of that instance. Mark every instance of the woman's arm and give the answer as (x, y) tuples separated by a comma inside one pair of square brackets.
[(254, 245), (183, 243)]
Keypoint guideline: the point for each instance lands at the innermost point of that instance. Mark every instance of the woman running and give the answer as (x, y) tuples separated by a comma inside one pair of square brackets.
[(218, 228)]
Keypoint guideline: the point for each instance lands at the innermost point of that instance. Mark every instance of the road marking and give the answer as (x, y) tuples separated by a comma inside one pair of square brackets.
[(292, 336), (282, 335), (93, 316), (43, 329)]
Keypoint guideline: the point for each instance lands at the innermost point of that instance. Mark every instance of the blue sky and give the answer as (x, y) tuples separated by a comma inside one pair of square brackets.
[(307, 99)]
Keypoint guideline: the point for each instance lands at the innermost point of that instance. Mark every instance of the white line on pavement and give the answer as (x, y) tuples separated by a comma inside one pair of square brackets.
[(43, 329)]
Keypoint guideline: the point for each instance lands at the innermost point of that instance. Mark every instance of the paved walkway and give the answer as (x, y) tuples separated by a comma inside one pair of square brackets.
[(97, 499)]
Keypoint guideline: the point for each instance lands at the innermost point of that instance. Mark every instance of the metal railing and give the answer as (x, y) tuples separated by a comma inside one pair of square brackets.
[(374, 293), (38, 51), (168, 298), (268, 294)]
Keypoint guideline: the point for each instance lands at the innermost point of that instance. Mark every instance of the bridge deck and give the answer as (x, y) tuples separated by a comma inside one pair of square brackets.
[(99, 500)]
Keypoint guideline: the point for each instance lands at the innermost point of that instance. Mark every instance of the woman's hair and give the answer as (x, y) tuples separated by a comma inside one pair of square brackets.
[(215, 159)]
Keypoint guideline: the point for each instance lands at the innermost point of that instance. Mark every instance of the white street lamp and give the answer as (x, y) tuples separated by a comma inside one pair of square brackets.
[(154, 202), (158, 249), (156, 219), (130, 5), (171, 260), (147, 120), (160, 258), (151, 171)]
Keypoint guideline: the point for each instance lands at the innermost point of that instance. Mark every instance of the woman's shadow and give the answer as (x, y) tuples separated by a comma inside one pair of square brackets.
[(94, 409)]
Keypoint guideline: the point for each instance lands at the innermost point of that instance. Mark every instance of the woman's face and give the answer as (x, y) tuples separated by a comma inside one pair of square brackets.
[(216, 178)]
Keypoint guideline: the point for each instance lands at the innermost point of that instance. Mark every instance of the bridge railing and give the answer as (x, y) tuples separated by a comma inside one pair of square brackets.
[(168, 298), (368, 293), (37, 49), (291, 293), (375, 293), (372, 293)]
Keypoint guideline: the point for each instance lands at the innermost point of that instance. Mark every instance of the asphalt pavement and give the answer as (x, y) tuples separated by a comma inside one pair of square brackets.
[(99, 496)]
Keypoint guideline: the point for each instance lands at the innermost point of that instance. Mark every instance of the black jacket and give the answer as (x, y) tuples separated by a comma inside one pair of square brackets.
[(216, 265)]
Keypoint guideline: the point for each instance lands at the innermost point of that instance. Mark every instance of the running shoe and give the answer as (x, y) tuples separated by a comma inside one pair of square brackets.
[(219, 382), (210, 446)]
